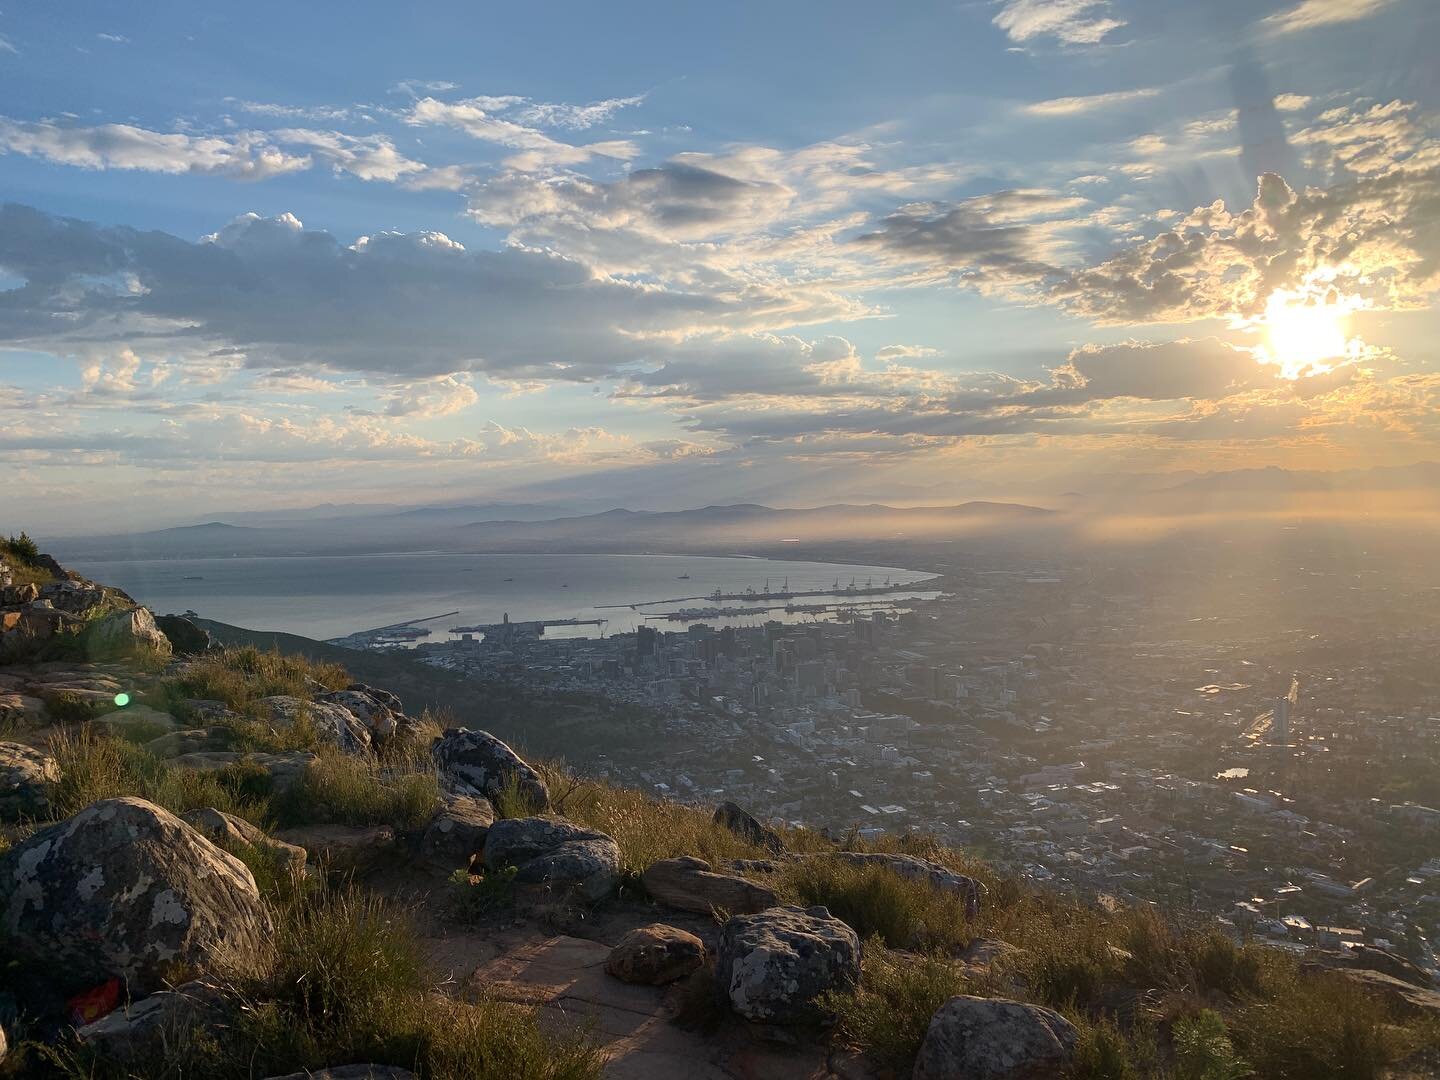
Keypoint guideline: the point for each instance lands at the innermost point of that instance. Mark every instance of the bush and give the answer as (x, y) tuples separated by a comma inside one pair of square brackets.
[(876, 901), (888, 1014), (1103, 1053), (349, 790), (1203, 1050), (21, 548)]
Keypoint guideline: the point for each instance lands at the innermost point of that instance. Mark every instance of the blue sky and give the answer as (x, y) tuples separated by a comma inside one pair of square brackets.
[(266, 254)]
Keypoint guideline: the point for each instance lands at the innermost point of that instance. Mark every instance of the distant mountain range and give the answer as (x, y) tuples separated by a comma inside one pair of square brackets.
[(737, 528)]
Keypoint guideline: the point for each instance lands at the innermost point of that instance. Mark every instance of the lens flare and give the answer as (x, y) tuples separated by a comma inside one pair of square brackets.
[(1306, 335), (122, 699)]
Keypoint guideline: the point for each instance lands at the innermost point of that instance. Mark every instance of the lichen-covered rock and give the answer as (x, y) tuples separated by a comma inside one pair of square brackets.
[(772, 966), (655, 955), (27, 778), (142, 1027), (917, 869), (191, 741), (124, 888), (125, 633), (234, 833), (563, 858), (688, 883), (744, 825), (477, 763), (457, 832), (135, 720), (994, 1039), (367, 707), (285, 769), (334, 723), (357, 848)]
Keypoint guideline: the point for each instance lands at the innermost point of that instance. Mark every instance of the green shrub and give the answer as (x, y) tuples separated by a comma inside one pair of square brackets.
[(1203, 1050), (474, 898), (888, 1014), (1103, 1053), (22, 548)]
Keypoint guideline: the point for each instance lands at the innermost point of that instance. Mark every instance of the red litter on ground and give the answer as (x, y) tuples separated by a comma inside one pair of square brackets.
[(90, 1005)]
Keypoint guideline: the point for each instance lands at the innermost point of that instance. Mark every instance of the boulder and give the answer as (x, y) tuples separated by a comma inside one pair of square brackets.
[(190, 741), (143, 1027), (457, 832), (232, 833), (917, 869), (27, 778), (994, 1039), (75, 597), (772, 966), (352, 1072), (477, 763), (355, 848), (135, 721), (19, 711), (688, 883), (126, 633), (1404, 997), (368, 708), (186, 638), (285, 769), (655, 955), (4, 1046), (555, 855), (126, 889), (744, 825), (15, 595), (1372, 958), (334, 723)]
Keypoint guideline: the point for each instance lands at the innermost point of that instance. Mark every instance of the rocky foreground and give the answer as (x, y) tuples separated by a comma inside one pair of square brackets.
[(188, 831)]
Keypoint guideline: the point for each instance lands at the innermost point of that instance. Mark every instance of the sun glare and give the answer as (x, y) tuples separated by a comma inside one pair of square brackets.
[(1305, 337)]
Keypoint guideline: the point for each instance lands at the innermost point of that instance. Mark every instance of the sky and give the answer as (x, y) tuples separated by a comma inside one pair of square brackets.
[(662, 255)]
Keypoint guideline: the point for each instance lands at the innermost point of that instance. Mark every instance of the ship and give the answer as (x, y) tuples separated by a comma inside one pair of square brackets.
[(683, 577)]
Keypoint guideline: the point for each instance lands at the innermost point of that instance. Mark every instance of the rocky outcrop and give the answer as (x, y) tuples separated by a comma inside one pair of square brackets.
[(656, 954), (235, 834), (143, 1027), (366, 706), (127, 889), (688, 883), (285, 769), (334, 723), (125, 633), (1404, 997), (1371, 958), (994, 1039), (917, 869), (354, 848), (744, 825), (772, 966), (562, 858), (186, 638), (477, 763), (457, 832), (135, 720), (27, 778)]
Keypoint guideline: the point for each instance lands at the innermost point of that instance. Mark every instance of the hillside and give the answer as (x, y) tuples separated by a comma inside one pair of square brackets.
[(230, 858)]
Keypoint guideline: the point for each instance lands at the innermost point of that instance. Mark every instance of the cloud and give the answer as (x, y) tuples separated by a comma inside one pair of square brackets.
[(573, 117), (369, 157), (1073, 106), (277, 295), (1073, 22), (1291, 102), (432, 397), (1312, 13), (7, 47), (117, 39), (480, 118), (246, 155), (327, 113)]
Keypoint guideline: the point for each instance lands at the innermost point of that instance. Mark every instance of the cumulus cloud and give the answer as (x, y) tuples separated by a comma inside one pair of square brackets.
[(425, 398), (1312, 13), (280, 295), (1073, 22), (246, 155), (369, 157)]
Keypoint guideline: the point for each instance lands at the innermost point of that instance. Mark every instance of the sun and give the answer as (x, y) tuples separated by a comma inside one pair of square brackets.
[(1305, 336)]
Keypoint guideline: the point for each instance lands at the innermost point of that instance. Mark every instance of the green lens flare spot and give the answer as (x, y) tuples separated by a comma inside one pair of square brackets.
[(122, 699)]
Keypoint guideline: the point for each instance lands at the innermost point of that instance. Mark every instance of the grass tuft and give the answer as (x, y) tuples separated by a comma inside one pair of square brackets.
[(901, 913), (349, 790), (889, 1013)]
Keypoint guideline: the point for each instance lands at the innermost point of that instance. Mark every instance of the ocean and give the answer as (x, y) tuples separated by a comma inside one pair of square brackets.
[(332, 596)]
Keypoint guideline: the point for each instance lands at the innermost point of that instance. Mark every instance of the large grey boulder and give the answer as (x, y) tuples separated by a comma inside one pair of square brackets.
[(562, 858), (27, 778), (744, 825), (688, 883), (457, 832), (772, 966), (334, 723), (235, 834), (917, 869), (477, 763), (124, 888), (126, 633), (994, 1039), (186, 638), (367, 707)]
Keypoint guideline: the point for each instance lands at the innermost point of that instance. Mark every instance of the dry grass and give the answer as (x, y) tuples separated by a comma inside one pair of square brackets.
[(899, 912), (349, 790), (239, 676), (890, 1011)]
